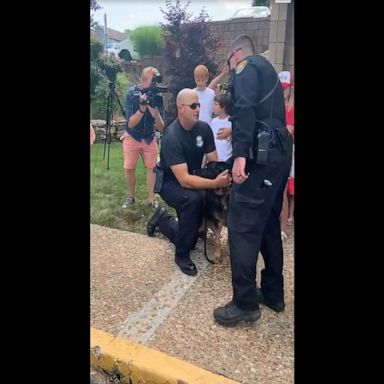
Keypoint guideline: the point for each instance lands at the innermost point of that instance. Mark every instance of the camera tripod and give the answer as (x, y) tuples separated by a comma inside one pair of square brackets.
[(109, 119)]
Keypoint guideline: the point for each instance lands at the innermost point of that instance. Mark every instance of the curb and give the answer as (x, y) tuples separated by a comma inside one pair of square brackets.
[(141, 364)]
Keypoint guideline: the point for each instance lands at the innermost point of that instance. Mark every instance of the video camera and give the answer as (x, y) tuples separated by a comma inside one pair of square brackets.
[(152, 91)]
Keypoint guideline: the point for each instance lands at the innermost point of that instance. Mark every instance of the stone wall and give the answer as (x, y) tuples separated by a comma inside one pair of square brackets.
[(228, 30), (117, 129), (281, 38)]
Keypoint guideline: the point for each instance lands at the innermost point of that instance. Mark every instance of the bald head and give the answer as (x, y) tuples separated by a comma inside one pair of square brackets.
[(185, 96), (187, 107)]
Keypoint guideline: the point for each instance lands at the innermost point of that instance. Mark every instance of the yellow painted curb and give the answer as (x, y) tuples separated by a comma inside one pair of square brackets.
[(145, 365)]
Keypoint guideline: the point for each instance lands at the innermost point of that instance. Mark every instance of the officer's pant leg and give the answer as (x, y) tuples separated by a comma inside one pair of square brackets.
[(243, 254), (190, 214), (168, 226), (272, 281), (246, 221), (189, 206)]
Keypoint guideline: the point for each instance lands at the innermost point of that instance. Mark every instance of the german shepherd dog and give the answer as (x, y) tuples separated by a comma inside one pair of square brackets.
[(216, 203)]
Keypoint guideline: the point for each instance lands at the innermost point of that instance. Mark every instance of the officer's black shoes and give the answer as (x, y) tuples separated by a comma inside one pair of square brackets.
[(277, 307), (154, 221), (186, 265), (231, 314)]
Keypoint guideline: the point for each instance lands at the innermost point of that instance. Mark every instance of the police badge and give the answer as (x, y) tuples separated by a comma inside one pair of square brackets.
[(199, 141)]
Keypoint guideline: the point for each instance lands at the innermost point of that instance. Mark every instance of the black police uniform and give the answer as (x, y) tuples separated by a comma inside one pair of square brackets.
[(255, 205), (181, 146)]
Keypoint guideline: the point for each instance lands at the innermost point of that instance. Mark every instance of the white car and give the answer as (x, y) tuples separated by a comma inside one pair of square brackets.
[(254, 12), (124, 50)]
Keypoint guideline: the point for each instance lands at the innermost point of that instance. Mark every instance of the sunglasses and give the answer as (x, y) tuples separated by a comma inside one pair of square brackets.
[(192, 106), (230, 57)]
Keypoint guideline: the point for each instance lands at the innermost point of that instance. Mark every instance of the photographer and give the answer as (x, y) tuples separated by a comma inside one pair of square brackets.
[(144, 108)]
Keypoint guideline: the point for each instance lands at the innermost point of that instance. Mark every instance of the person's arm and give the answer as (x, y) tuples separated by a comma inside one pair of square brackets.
[(213, 84), (93, 135), (224, 133), (157, 113), (246, 87), (212, 156), (246, 94), (291, 129), (290, 118), (133, 115), (196, 182)]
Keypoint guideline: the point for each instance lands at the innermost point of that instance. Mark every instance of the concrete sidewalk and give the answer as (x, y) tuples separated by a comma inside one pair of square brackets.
[(138, 293)]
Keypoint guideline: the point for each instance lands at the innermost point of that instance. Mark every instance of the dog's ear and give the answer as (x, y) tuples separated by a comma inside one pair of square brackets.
[(223, 166), (211, 165)]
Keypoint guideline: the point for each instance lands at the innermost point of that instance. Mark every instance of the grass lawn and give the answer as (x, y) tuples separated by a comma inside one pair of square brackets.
[(108, 192)]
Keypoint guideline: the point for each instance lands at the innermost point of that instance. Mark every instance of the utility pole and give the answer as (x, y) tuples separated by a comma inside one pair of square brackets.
[(105, 33)]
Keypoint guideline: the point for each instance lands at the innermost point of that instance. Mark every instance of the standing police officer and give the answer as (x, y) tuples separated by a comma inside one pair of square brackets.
[(262, 151)]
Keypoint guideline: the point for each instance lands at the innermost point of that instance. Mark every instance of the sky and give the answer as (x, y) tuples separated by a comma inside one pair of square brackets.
[(130, 14)]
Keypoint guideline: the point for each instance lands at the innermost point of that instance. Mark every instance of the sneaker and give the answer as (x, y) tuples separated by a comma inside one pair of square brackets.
[(130, 201), (153, 205)]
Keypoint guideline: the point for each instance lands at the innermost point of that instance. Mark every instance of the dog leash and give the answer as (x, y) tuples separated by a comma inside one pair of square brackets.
[(205, 231)]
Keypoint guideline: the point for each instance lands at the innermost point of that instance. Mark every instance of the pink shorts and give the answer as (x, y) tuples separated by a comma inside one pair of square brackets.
[(132, 150)]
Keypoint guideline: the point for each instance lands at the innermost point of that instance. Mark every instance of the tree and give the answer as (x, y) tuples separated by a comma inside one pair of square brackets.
[(187, 44), (94, 7), (103, 69), (148, 40), (95, 70), (258, 3)]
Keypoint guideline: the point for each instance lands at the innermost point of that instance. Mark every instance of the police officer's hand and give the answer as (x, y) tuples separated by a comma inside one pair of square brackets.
[(238, 170), (224, 179)]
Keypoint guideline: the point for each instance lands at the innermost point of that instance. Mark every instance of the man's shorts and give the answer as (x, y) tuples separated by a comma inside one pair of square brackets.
[(132, 150)]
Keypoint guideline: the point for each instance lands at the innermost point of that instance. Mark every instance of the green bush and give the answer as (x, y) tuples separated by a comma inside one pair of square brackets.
[(95, 71), (148, 40)]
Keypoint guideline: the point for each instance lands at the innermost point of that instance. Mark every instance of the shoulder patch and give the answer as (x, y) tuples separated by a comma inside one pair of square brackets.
[(241, 66)]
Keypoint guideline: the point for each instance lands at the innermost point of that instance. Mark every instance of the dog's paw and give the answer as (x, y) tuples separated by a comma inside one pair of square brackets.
[(217, 254)]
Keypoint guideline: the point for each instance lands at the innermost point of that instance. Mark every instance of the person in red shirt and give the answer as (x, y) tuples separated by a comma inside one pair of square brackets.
[(286, 217)]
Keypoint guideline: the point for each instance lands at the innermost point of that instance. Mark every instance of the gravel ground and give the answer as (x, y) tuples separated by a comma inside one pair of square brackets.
[(128, 269)]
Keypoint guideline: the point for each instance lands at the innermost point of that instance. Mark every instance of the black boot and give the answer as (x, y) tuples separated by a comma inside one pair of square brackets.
[(154, 221), (185, 264), (231, 314)]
